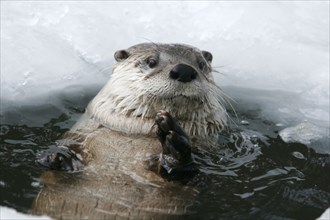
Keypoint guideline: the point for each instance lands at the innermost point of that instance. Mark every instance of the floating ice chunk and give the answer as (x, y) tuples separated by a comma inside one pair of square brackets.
[(244, 122), (298, 155), (303, 133), (245, 195)]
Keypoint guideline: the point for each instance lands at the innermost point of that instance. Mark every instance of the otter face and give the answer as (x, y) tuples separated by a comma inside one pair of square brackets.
[(167, 70), (151, 77)]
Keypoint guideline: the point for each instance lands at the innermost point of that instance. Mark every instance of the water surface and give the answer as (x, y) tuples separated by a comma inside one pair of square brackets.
[(254, 175)]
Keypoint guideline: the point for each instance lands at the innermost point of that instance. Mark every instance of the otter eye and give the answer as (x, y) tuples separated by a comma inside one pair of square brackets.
[(201, 65), (151, 62)]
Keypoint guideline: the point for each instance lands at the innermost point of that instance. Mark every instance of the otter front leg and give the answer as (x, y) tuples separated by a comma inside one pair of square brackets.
[(60, 158), (176, 156)]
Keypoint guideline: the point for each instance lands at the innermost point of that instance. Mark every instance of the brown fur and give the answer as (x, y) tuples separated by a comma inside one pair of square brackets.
[(116, 138)]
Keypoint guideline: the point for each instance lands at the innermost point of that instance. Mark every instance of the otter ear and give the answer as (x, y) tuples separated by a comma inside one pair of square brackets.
[(121, 55), (207, 55)]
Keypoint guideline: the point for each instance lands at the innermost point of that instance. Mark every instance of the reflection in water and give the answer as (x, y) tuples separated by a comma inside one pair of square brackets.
[(253, 175)]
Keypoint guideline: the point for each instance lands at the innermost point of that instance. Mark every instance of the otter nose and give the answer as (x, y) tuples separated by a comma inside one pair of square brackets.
[(183, 73)]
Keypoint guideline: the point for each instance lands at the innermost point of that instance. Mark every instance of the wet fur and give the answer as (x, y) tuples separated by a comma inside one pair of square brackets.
[(116, 137), (134, 95)]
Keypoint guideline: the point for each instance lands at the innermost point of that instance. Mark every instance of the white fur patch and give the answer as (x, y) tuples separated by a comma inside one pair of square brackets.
[(129, 102)]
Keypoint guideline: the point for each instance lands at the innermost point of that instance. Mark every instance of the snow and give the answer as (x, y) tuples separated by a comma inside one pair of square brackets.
[(270, 45), (325, 215), (9, 213)]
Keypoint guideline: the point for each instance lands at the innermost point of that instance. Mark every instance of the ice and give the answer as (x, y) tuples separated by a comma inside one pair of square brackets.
[(273, 45), (325, 215), (304, 133), (9, 213), (298, 155)]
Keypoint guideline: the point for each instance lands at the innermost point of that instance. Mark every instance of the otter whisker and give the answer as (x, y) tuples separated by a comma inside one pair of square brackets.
[(218, 72), (104, 69)]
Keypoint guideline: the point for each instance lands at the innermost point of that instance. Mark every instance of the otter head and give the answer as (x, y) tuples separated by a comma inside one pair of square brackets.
[(151, 77)]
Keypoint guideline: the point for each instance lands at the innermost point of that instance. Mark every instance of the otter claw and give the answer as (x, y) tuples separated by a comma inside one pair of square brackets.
[(176, 155), (60, 158), (164, 121), (167, 123)]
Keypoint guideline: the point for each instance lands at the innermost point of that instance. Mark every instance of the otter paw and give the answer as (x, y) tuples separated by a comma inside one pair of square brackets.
[(176, 156), (60, 158), (166, 123)]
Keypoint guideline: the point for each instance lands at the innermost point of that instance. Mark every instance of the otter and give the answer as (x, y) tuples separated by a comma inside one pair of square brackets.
[(140, 132)]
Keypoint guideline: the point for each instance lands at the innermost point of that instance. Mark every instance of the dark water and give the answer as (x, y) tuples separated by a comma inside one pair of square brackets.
[(255, 176)]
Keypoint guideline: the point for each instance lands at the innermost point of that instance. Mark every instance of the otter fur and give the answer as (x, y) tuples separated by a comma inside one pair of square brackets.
[(160, 106)]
